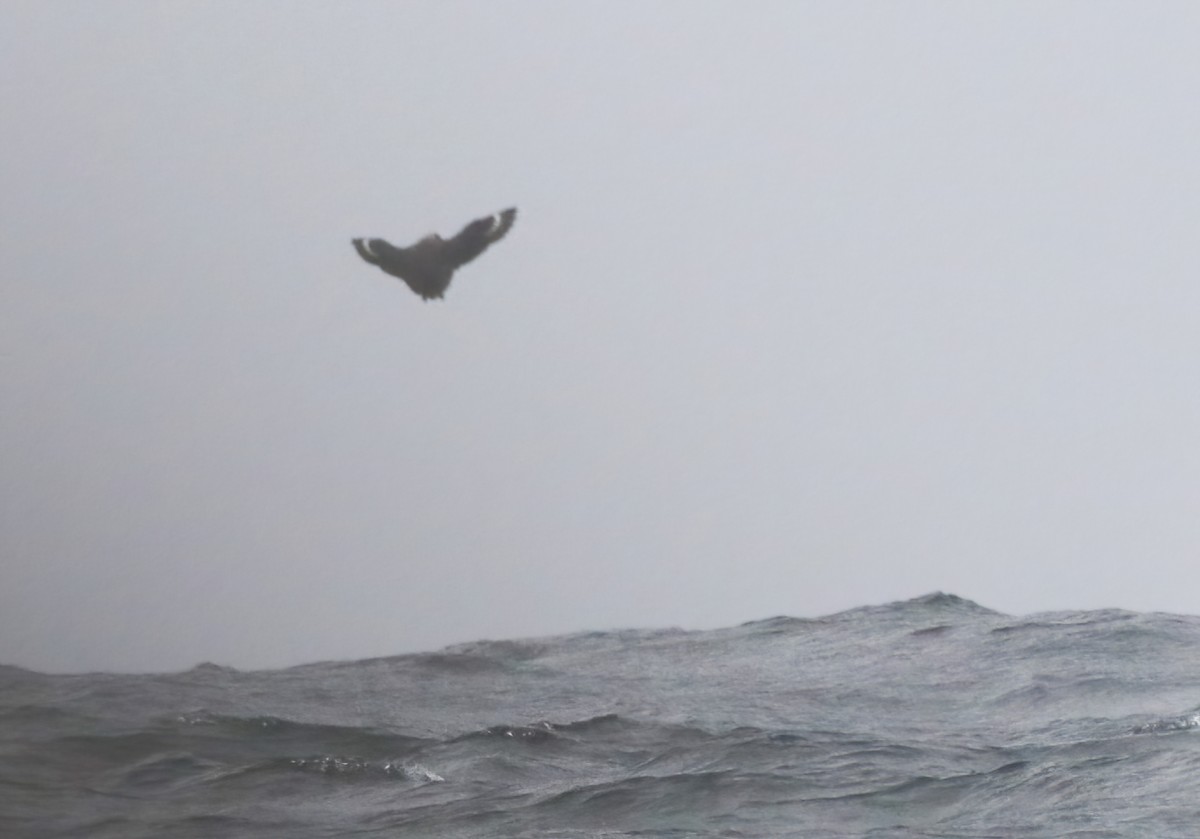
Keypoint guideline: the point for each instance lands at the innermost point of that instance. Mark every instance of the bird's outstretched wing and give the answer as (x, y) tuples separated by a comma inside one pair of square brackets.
[(474, 239), (365, 251), (382, 253)]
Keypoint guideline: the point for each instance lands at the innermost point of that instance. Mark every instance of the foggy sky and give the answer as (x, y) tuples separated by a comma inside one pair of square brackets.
[(807, 306)]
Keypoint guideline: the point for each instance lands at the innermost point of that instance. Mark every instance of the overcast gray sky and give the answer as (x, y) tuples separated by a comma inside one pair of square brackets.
[(808, 306)]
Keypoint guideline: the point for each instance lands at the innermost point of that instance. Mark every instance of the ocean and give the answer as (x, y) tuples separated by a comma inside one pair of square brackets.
[(933, 717)]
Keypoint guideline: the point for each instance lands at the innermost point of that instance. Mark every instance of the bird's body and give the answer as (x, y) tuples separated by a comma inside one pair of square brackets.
[(428, 266)]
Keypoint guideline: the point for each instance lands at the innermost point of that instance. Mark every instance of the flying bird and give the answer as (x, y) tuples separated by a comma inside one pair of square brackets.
[(428, 266)]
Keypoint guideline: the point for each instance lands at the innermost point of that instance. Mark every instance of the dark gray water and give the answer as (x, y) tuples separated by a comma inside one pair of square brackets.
[(929, 718)]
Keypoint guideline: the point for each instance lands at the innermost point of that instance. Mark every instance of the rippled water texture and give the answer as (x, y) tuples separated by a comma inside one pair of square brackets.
[(929, 718)]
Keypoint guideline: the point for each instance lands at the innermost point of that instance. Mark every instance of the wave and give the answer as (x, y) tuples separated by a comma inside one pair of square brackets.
[(935, 604), (1186, 722), (357, 766), (926, 717)]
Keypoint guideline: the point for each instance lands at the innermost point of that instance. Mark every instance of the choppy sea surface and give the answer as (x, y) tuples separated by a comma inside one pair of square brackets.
[(933, 717)]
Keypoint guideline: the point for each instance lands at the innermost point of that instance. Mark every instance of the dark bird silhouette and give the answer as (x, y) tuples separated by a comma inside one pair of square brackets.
[(428, 266)]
